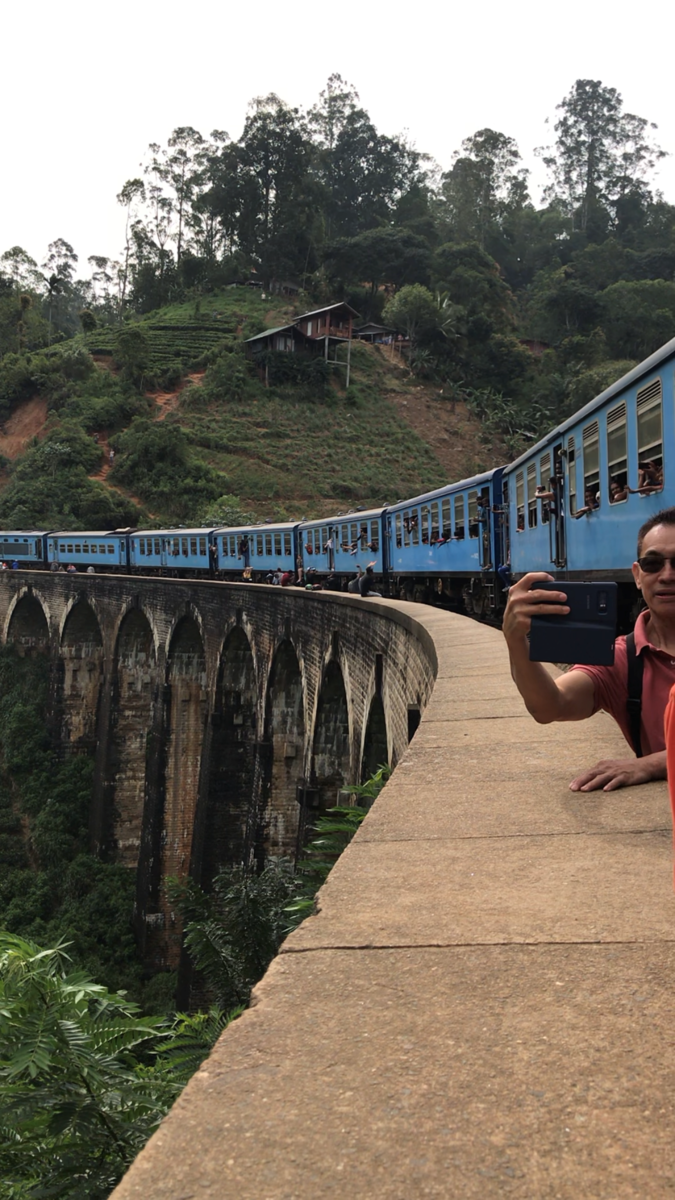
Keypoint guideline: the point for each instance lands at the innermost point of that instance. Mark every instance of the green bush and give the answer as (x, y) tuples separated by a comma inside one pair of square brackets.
[(154, 461)]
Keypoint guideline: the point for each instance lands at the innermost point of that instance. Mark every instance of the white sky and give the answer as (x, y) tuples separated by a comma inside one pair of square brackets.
[(84, 87)]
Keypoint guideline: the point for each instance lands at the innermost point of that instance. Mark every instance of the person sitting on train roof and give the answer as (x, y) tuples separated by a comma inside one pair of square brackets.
[(584, 689), (591, 502)]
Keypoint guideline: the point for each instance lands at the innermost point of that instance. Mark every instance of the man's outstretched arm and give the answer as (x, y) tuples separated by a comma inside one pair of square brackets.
[(568, 698)]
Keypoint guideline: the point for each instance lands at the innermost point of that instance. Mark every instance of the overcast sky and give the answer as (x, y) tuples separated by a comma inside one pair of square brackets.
[(86, 86)]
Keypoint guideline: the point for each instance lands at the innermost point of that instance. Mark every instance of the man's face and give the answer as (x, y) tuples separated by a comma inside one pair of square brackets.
[(658, 590)]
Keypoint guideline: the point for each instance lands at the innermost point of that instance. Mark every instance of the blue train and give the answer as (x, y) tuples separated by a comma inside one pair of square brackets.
[(571, 505)]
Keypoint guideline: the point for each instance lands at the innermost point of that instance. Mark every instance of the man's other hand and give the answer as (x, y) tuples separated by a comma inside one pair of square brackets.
[(613, 773)]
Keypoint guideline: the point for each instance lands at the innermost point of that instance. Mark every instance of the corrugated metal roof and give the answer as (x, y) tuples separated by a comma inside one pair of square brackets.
[(268, 332), (326, 308)]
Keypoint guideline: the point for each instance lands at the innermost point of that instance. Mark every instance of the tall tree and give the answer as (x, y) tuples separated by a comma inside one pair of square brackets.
[(131, 197), (484, 184), (60, 267), (601, 154)]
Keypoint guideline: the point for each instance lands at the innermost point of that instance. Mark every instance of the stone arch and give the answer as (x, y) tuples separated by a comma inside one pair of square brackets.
[(81, 665), (185, 719), (134, 695), (375, 744), (227, 824), (331, 743), (28, 628), (283, 752)]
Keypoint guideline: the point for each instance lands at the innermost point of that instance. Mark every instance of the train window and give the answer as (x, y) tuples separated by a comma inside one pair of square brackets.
[(111, 549), (202, 546), (572, 475), (259, 544), (363, 536), (473, 514), (374, 536), (650, 438), (398, 530), (225, 550), (617, 454), (141, 545), (101, 549), (425, 524), (277, 545), (158, 547), (415, 526), (193, 547), (287, 544), (317, 541), (70, 548), (406, 528), (546, 482), (233, 546), (354, 535), (532, 495), (324, 538), (591, 444), (184, 547), (446, 519), (78, 548), (434, 520), (520, 501), (62, 549), (459, 517), (85, 549), (268, 545)]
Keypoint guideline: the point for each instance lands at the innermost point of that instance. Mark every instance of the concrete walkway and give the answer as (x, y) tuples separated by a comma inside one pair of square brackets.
[(484, 1005)]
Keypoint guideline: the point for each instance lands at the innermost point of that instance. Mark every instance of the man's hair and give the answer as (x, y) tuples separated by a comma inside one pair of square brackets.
[(665, 517)]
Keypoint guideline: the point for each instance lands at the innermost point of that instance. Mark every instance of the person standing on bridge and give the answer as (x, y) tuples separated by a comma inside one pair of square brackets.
[(584, 689)]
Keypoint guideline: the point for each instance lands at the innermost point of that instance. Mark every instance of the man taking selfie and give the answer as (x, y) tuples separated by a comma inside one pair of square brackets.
[(584, 689)]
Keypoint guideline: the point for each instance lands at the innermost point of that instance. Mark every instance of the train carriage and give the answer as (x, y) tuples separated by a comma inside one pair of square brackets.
[(339, 544), (104, 550), (577, 499), (260, 548), (27, 547), (172, 551), (449, 542)]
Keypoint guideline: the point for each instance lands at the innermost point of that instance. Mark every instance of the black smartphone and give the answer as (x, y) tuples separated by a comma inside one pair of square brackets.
[(586, 634)]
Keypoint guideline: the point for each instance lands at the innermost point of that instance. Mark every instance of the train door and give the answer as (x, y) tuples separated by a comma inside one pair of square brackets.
[(485, 523), (331, 535), (165, 551), (557, 523)]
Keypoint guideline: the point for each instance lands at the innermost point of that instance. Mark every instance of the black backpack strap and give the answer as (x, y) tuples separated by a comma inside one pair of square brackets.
[(634, 703)]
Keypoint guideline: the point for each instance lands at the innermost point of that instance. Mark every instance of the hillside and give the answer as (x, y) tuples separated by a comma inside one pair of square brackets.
[(196, 435)]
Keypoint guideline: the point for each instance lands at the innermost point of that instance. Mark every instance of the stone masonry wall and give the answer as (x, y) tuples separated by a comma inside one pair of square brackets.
[(214, 710)]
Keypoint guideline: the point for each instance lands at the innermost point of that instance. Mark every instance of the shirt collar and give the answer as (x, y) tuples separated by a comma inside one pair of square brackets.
[(642, 641)]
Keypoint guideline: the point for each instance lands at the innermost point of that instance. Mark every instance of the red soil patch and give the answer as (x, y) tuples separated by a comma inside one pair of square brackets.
[(168, 401), (26, 422)]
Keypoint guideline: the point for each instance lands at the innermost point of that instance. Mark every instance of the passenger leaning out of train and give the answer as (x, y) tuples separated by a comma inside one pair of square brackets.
[(583, 690), (591, 502)]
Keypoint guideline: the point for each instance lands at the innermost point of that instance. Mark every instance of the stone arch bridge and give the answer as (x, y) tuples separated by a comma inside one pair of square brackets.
[(221, 717)]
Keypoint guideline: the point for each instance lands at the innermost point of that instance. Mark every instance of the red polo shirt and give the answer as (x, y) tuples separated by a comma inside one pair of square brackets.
[(611, 687)]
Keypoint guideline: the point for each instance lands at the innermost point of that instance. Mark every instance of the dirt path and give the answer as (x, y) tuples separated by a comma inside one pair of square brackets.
[(26, 422), (168, 401)]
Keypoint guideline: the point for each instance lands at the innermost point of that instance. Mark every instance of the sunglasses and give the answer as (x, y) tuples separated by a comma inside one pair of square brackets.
[(652, 563)]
